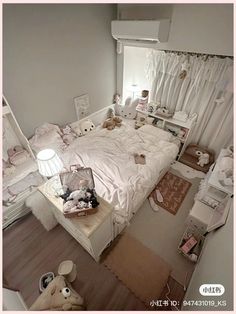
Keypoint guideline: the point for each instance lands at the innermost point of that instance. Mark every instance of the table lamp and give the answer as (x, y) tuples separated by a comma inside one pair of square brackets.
[(50, 165)]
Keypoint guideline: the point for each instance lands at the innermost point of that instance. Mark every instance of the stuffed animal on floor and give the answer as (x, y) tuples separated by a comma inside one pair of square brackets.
[(58, 296), (86, 126), (203, 158), (111, 123)]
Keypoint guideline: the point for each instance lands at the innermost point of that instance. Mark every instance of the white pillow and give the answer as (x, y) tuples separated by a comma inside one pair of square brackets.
[(50, 139), (47, 127), (157, 132)]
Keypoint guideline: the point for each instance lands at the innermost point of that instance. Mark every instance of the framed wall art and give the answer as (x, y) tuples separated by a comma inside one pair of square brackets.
[(82, 106)]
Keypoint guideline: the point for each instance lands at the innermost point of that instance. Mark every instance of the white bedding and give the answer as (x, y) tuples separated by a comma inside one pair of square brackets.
[(118, 179)]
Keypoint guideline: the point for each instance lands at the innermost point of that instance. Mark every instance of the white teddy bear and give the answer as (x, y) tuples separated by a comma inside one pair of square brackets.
[(77, 194), (86, 126), (203, 158)]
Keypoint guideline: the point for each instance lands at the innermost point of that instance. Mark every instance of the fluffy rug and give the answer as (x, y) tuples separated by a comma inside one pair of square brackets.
[(141, 270), (173, 190)]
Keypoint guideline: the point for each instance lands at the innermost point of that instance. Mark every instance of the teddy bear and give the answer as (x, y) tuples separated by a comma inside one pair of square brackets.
[(203, 158), (111, 123), (86, 126), (58, 296)]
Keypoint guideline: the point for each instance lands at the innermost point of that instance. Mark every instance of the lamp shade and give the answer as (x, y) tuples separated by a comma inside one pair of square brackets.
[(49, 163)]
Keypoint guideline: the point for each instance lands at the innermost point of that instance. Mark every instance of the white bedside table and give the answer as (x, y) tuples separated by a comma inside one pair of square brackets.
[(94, 232)]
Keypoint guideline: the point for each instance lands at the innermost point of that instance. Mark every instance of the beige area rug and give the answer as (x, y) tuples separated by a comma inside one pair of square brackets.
[(141, 270), (161, 232), (173, 190)]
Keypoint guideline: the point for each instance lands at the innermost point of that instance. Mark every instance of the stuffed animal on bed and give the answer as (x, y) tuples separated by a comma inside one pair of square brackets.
[(111, 123), (59, 296), (68, 135), (128, 111), (86, 126)]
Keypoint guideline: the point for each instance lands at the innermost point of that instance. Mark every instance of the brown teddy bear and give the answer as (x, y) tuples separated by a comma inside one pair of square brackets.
[(59, 296), (111, 123)]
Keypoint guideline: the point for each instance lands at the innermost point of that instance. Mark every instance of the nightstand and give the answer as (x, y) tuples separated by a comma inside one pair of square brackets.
[(94, 232)]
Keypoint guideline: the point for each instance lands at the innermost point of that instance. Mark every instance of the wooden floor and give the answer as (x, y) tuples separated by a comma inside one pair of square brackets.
[(29, 251)]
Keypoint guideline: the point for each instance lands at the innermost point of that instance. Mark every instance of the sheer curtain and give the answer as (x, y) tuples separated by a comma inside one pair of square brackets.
[(206, 90)]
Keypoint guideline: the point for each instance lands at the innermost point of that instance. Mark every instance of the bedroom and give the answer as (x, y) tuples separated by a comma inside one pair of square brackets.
[(53, 53)]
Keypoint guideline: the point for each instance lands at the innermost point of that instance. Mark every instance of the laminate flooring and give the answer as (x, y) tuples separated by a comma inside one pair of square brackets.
[(30, 251)]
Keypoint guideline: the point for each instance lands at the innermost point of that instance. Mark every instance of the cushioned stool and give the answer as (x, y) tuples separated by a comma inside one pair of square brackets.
[(190, 158)]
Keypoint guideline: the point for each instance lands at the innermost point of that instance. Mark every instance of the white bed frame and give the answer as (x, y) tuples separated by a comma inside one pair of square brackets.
[(97, 118)]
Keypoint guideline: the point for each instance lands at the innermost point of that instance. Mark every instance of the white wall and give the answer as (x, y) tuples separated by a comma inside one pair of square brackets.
[(203, 28), (216, 266), (54, 52)]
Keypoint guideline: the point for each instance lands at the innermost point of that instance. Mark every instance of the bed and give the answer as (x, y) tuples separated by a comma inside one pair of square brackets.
[(118, 179)]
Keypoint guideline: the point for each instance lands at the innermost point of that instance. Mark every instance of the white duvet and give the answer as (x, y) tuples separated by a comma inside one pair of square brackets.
[(117, 178)]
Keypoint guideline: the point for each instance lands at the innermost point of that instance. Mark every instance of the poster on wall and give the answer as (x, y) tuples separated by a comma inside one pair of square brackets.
[(82, 106)]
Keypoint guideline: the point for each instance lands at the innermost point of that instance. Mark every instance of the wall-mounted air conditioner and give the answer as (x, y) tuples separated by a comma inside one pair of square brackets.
[(148, 31)]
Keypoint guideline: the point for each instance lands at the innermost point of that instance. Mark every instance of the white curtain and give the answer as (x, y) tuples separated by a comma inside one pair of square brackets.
[(206, 90)]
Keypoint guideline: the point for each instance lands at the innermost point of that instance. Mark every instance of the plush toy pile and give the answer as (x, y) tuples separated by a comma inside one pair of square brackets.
[(80, 199)]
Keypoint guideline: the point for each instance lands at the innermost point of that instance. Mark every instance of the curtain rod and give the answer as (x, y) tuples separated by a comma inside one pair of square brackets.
[(195, 53)]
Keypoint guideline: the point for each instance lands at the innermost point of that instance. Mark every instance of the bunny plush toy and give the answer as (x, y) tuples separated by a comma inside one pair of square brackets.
[(128, 111)]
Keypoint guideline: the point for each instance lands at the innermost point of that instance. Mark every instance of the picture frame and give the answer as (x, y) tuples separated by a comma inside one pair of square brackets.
[(82, 106)]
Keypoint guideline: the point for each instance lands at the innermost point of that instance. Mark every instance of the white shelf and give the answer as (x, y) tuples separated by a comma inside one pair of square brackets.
[(20, 172), (189, 125), (185, 124)]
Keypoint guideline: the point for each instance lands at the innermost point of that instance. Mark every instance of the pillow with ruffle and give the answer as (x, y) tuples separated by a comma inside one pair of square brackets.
[(50, 139)]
